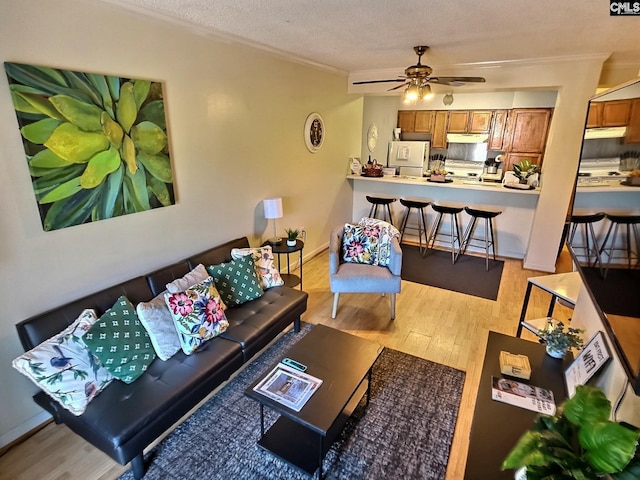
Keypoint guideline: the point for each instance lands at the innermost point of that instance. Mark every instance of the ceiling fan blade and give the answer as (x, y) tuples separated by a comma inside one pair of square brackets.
[(379, 81), (396, 88), (456, 81)]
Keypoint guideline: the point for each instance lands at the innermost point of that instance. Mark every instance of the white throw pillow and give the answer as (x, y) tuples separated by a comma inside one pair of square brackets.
[(157, 320), (64, 368), (195, 276)]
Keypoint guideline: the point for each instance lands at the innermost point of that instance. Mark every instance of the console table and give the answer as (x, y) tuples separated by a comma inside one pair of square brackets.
[(496, 426)]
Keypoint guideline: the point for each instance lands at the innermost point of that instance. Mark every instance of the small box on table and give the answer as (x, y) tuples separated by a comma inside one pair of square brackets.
[(515, 365)]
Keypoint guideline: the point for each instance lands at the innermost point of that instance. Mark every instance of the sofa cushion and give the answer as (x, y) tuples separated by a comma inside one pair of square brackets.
[(236, 280), (158, 322), (198, 314), (64, 368), (264, 263), (121, 342)]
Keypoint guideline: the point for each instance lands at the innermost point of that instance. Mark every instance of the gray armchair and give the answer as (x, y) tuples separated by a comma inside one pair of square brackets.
[(362, 278)]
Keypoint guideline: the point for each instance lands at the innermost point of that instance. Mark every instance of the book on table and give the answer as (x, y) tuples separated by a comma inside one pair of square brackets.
[(288, 386), (523, 395)]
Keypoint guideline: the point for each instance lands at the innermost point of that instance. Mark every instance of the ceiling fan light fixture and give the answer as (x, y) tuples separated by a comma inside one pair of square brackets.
[(425, 92), (411, 93)]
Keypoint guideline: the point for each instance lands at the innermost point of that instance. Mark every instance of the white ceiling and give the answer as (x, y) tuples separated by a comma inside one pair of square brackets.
[(358, 36)]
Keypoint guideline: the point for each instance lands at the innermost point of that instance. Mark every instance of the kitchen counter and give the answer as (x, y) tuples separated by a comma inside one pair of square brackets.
[(512, 226)]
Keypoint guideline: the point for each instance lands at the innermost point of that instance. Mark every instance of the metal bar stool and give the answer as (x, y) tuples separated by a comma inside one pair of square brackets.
[(454, 234), (488, 239), (589, 243), (383, 202), (421, 228), (630, 222)]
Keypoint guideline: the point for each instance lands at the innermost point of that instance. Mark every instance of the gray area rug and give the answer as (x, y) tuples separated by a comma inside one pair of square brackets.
[(468, 275), (405, 432)]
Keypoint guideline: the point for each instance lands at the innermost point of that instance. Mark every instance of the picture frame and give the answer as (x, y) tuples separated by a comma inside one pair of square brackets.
[(589, 361), (314, 132)]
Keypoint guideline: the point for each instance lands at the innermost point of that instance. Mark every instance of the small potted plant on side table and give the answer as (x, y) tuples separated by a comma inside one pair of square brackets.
[(292, 236), (579, 442), (558, 339)]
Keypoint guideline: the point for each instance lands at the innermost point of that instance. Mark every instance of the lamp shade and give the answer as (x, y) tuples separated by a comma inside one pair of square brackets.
[(273, 207)]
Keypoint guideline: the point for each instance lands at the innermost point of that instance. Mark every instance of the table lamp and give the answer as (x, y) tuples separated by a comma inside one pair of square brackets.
[(272, 211)]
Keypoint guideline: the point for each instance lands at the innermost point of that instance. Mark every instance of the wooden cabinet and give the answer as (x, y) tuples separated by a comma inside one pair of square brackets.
[(527, 130), (615, 113), (439, 133), (458, 121), (512, 158), (407, 120), (633, 128), (424, 121), (469, 121), (498, 126), (480, 121)]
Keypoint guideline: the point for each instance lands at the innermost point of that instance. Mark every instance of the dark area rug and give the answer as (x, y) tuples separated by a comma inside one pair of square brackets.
[(616, 294), (467, 275), (405, 432)]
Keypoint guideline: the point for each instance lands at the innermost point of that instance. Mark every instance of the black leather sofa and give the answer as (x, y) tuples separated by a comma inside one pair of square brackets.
[(124, 419)]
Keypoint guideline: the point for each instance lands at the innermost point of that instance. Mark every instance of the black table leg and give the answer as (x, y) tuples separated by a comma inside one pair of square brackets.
[(525, 303)]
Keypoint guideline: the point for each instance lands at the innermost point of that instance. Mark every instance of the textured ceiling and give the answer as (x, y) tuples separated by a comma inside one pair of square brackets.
[(368, 35)]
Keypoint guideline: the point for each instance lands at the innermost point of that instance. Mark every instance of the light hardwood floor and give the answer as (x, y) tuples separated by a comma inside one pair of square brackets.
[(438, 325)]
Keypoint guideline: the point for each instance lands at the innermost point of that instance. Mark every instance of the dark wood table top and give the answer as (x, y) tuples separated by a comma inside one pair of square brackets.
[(497, 426), (340, 360)]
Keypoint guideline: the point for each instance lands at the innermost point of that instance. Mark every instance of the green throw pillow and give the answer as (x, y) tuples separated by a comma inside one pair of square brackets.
[(121, 342), (236, 280)]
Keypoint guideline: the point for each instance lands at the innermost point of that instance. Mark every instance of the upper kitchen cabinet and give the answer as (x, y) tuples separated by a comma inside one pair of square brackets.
[(424, 121), (527, 130), (633, 128), (439, 133), (615, 113), (469, 121), (407, 120), (498, 126)]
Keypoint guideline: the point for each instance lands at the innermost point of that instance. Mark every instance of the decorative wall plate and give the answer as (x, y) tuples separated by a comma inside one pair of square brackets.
[(314, 132), (372, 137)]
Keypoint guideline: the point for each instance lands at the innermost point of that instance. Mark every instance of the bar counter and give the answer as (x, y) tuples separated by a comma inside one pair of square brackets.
[(512, 227)]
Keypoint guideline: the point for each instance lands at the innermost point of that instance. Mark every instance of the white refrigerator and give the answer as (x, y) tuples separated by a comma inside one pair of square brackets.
[(408, 158)]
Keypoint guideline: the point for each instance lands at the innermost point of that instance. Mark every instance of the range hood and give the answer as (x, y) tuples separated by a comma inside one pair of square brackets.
[(467, 137), (609, 132)]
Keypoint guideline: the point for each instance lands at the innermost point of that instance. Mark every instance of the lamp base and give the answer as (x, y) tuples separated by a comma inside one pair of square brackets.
[(274, 240)]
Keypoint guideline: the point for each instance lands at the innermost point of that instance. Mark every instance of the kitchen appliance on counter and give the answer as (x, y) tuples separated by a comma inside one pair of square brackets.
[(492, 171), (595, 172), (463, 169), (408, 157)]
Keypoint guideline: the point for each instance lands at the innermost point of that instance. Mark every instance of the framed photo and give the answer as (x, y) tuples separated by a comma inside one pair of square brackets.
[(314, 132), (591, 359)]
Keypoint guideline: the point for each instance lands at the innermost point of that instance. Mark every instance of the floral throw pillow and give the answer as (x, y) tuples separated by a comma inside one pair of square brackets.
[(64, 367), (121, 342), (198, 315), (359, 245), (381, 234), (264, 262)]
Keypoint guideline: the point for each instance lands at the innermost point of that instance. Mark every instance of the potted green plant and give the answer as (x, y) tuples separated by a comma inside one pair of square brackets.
[(579, 442), (559, 339), (524, 169), (292, 236)]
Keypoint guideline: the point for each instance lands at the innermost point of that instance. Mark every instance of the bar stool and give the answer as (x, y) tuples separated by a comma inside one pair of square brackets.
[(383, 202), (488, 238), (454, 234), (419, 206), (589, 243), (630, 222)]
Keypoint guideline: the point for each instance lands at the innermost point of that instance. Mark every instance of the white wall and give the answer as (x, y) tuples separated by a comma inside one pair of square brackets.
[(236, 118)]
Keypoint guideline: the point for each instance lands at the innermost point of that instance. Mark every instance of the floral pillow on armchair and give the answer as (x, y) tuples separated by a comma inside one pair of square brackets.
[(359, 245)]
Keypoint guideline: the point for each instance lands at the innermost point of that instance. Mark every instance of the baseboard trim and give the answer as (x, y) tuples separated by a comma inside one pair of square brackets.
[(23, 431)]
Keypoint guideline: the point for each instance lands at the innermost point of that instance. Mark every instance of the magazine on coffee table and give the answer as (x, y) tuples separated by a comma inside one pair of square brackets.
[(288, 386), (523, 395)]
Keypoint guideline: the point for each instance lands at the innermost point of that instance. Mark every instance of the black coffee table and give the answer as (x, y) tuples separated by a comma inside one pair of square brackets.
[(344, 363)]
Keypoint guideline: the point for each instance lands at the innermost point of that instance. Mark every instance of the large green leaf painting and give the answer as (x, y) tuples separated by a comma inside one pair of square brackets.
[(96, 145)]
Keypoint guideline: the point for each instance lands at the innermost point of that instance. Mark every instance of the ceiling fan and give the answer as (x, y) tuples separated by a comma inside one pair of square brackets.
[(417, 79)]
